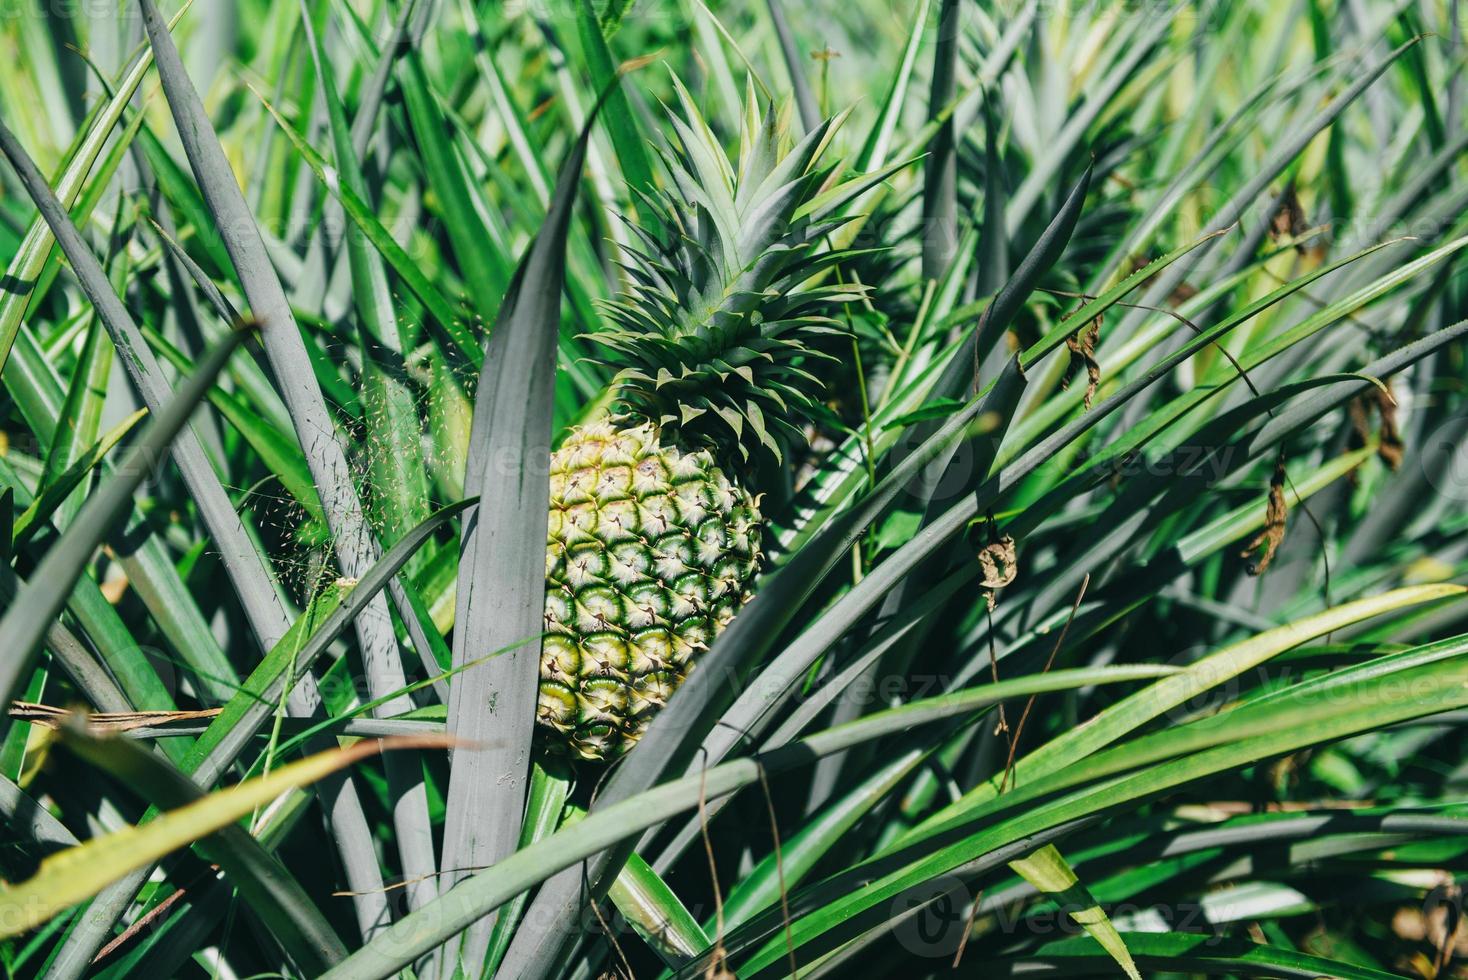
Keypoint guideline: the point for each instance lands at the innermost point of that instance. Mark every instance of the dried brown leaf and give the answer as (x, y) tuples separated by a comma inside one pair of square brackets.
[(117, 721), (1276, 513), (1389, 446), (1082, 347), (1288, 220), (999, 564)]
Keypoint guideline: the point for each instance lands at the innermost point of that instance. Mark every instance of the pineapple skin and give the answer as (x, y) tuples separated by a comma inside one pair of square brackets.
[(649, 553)]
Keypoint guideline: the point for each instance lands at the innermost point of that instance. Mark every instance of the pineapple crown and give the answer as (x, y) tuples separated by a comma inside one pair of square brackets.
[(716, 334)]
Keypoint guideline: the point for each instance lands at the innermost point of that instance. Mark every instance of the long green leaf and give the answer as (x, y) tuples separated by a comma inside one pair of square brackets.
[(1049, 872), (501, 591)]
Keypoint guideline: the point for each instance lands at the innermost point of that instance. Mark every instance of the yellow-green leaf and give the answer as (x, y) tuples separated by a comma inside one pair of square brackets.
[(78, 873), (1048, 871)]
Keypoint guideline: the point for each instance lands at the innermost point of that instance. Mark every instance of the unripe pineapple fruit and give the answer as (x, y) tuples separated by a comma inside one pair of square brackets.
[(654, 534), (650, 551)]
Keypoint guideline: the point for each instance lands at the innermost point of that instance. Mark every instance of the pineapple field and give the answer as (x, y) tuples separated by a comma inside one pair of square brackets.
[(687, 489)]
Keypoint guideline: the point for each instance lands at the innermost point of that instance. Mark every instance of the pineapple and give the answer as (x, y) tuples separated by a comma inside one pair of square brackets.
[(654, 534)]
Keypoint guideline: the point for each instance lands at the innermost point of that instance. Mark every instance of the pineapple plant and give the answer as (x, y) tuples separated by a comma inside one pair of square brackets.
[(914, 720), (654, 534)]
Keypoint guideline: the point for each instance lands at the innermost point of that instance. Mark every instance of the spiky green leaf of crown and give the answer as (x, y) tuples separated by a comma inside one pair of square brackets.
[(731, 296)]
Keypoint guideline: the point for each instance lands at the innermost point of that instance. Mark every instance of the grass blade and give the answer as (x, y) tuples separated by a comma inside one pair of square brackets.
[(81, 413), (56, 490), (356, 551), (25, 269), (874, 151), (617, 113), (25, 623), (486, 890), (1136, 710), (475, 246), (406, 268), (75, 874), (1185, 953), (805, 100), (1049, 872), (501, 595), (940, 169), (543, 808), (272, 893), (398, 472), (656, 914), (313, 632), (248, 573)]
